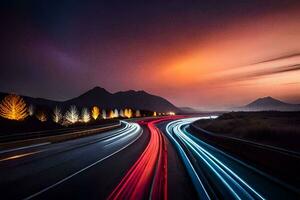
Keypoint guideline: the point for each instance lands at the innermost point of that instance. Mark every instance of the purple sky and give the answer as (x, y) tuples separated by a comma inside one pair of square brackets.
[(206, 54)]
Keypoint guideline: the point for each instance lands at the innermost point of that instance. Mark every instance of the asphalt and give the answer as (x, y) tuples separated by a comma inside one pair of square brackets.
[(224, 176), (84, 168), (179, 183)]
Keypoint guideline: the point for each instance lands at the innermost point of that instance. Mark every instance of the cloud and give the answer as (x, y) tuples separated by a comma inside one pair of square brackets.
[(275, 66), (268, 72), (278, 58)]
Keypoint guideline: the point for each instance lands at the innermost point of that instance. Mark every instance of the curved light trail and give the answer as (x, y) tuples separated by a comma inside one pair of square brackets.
[(149, 171), (205, 165), (73, 158)]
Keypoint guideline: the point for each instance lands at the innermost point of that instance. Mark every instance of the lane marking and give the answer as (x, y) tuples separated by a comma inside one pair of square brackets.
[(25, 147), (19, 156), (83, 169)]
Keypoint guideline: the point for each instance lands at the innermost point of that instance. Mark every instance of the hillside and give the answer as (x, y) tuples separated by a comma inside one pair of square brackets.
[(268, 104), (104, 99)]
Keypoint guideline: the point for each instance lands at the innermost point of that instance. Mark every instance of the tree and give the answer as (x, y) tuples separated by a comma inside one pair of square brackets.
[(31, 110), (57, 115), (137, 113), (111, 114), (13, 107), (128, 113), (85, 115), (41, 116), (116, 113), (72, 115), (104, 114), (154, 114), (122, 113), (95, 112)]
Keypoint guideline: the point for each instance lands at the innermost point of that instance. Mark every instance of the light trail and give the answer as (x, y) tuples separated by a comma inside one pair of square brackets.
[(226, 183), (130, 133), (19, 156), (149, 171), (113, 137)]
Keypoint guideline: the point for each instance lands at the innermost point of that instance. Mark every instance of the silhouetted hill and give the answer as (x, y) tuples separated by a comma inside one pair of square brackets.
[(188, 110), (131, 99), (269, 103), (36, 101), (104, 99), (96, 96)]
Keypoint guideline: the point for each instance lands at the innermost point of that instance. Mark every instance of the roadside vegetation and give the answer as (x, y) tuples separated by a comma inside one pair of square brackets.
[(18, 116), (280, 129)]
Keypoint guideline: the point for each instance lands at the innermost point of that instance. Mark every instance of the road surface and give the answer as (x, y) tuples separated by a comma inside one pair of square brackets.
[(60, 170), (217, 175), (152, 159)]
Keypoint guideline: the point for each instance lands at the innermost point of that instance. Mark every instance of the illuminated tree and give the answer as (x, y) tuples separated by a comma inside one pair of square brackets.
[(13, 107), (41, 116), (72, 115), (154, 114), (121, 113), (111, 114), (104, 114), (57, 115), (137, 113), (128, 113), (85, 115), (95, 112), (31, 110), (116, 113)]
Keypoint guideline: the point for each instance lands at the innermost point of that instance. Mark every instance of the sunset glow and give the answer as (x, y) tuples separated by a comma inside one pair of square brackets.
[(193, 55)]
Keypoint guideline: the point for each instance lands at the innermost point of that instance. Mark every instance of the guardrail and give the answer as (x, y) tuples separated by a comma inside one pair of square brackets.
[(67, 135)]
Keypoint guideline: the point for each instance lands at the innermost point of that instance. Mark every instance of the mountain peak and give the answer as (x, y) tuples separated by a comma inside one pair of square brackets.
[(131, 98), (266, 101), (98, 89), (268, 98), (269, 103)]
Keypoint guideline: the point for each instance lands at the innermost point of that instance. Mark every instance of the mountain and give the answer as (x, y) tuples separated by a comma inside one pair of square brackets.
[(130, 99), (269, 103), (104, 99), (96, 96), (189, 110), (35, 101)]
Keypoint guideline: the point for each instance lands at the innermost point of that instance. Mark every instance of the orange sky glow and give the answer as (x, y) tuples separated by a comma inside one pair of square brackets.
[(236, 64), (204, 54)]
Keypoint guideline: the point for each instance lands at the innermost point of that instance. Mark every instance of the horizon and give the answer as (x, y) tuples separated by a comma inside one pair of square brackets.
[(202, 55), (149, 99), (199, 109)]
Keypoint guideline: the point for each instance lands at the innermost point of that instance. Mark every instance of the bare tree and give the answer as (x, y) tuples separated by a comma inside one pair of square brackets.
[(72, 115), (85, 115), (57, 115), (95, 112), (31, 110), (13, 107)]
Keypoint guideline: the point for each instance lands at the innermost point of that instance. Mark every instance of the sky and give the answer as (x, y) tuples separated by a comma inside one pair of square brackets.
[(203, 54)]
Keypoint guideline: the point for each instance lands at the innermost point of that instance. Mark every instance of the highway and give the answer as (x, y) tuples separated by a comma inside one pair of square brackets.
[(218, 175), (131, 162), (147, 178), (43, 171), (156, 158)]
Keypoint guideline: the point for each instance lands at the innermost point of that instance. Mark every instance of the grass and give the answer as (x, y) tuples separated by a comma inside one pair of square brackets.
[(274, 128)]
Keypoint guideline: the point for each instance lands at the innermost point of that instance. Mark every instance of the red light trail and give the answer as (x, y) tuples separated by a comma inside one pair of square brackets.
[(149, 172)]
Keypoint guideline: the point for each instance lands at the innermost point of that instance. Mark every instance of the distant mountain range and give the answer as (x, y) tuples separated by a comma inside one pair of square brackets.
[(104, 99), (269, 104), (189, 110)]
